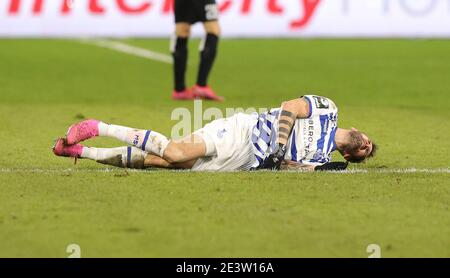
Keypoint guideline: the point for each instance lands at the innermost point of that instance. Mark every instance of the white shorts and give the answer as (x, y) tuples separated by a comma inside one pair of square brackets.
[(228, 144)]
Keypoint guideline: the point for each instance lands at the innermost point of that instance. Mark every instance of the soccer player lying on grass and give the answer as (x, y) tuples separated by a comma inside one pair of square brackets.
[(300, 135)]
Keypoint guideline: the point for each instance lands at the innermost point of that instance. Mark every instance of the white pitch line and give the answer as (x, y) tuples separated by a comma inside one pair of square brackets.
[(130, 50), (113, 170), (397, 171)]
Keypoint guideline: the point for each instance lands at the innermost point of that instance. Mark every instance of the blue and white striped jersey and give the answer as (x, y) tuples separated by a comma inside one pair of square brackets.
[(311, 140)]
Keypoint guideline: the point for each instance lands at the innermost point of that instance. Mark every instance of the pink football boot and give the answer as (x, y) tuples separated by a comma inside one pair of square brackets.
[(82, 131), (184, 95), (206, 93), (61, 149)]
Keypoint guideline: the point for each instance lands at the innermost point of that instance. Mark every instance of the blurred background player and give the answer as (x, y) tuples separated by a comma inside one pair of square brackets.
[(188, 12)]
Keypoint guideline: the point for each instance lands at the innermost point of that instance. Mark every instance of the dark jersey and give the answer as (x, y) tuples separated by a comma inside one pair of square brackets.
[(192, 11)]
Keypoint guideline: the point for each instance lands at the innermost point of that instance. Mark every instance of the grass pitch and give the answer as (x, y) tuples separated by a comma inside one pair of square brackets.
[(395, 90)]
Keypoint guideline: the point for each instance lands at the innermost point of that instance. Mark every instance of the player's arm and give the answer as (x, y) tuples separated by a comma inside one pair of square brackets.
[(290, 111), (330, 166), (295, 166)]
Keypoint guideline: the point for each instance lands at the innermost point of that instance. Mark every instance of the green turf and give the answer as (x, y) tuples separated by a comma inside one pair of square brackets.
[(395, 90)]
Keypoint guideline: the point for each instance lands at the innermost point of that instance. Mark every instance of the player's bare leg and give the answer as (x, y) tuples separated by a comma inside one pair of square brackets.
[(177, 153), (153, 161), (185, 150), (179, 49), (173, 151), (123, 157), (208, 52), (212, 27)]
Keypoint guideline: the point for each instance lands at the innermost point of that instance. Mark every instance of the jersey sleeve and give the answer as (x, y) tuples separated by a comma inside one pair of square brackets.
[(319, 105)]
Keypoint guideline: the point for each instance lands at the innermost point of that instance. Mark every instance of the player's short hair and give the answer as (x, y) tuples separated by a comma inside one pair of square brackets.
[(360, 159), (374, 150)]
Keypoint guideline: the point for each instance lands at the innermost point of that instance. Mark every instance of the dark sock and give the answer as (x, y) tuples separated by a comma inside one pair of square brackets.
[(180, 56), (207, 57)]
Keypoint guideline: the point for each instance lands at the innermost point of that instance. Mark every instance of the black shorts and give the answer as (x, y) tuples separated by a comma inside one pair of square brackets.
[(192, 11)]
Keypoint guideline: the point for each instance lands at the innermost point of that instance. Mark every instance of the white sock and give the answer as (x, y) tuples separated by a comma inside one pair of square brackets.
[(124, 157), (146, 140)]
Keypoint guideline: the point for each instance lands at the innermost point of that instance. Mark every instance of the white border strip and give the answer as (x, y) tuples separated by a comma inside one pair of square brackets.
[(130, 50), (398, 171), (118, 170)]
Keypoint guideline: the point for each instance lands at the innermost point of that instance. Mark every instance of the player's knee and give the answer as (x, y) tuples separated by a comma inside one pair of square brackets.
[(173, 153), (213, 28), (183, 34), (215, 32), (183, 30)]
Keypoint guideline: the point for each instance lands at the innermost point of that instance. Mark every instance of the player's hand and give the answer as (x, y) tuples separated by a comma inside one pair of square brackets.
[(273, 162), (332, 166)]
